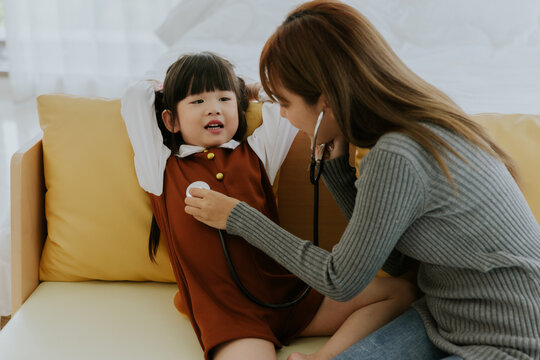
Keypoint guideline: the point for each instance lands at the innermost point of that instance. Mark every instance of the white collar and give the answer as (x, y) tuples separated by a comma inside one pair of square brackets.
[(186, 150)]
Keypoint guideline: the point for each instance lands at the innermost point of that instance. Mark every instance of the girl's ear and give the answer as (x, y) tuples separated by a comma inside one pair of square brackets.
[(169, 121)]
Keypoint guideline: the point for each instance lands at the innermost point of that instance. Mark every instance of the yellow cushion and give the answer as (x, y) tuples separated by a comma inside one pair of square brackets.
[(519, 136), (98, 218), (253, 117), (358, 156)]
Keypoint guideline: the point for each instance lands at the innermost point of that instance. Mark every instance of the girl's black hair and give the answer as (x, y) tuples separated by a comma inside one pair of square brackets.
[(193, 74)]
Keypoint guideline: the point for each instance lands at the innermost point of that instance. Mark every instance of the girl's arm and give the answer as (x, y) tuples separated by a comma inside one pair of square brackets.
[(146, 139), (389, 198), (272, 140)]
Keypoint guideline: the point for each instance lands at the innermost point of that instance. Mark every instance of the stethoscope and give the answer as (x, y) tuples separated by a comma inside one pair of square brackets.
[(315, 171)]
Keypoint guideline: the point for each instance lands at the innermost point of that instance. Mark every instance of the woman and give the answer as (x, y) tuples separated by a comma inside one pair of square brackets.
[(201, 106), (434, 188)]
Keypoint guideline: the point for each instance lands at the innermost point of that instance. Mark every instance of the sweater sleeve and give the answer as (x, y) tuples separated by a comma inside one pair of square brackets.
[(340, 179), (397, 263), (389, 197)]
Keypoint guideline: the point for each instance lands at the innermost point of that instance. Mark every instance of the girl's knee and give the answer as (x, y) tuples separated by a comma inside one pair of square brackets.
[(244, 349), (404, 293)]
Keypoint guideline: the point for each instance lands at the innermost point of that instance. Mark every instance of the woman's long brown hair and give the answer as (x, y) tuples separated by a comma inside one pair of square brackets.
[(327, 47)]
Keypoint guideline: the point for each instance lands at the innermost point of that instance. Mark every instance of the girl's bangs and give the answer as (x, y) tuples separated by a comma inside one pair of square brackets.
[(210, 75)]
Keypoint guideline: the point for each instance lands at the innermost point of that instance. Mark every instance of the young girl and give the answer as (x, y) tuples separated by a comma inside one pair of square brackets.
[(203, 122)]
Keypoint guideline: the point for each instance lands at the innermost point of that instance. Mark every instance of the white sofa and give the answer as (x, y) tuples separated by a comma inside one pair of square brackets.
[(117, 320), (137, 320)]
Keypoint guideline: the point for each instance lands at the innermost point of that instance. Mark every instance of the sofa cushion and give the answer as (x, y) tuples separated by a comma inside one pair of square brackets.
[(98, 218), (107, 320)]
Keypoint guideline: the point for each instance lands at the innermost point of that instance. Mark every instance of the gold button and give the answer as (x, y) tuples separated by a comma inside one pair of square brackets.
[(210, 156), (205, 150), (219, 176)]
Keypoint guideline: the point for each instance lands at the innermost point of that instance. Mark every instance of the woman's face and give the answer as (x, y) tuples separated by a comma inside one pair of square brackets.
[(208, 119), (304, 116)]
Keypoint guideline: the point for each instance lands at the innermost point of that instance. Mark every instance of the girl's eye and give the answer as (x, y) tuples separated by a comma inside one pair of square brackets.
[(225, 98), (200, 101)]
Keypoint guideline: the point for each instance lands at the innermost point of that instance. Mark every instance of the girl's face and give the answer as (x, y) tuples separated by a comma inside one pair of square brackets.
[(208, 119), (304, 117)]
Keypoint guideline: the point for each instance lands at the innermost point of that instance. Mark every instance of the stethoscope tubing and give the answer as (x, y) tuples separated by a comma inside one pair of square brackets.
[(315, 171), (246, 292)]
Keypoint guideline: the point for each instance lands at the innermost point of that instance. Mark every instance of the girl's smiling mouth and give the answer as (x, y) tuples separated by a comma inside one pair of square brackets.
[(214, 126)]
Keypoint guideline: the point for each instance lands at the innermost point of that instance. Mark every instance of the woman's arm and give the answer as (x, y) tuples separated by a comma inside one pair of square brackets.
[(150, 155), (389, 198), (340, 179)]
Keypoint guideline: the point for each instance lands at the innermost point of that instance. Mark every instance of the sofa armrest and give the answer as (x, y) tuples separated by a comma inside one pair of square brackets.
[(28, 225)]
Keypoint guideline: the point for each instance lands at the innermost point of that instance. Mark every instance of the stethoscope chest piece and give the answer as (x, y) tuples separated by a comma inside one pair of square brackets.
[(197, 185)]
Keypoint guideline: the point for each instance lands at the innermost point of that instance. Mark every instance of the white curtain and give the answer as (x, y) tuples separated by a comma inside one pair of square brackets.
[(5, 270), (82, 47)]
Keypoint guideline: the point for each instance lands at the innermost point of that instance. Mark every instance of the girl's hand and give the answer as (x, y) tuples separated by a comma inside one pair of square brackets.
[(252, 91), (210, 207), (156, 85)]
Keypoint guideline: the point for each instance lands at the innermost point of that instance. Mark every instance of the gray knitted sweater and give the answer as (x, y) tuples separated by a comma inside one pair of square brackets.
[(478, 248)]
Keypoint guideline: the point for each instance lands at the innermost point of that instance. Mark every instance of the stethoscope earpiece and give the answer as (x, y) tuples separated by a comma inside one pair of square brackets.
[(315, 167)]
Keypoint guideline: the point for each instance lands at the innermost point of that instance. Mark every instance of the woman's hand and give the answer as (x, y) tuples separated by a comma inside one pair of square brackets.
[(210, 207), (335, 148)]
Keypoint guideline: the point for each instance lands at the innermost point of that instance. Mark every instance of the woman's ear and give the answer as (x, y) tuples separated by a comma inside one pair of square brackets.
[(322, 103), (169, 121)]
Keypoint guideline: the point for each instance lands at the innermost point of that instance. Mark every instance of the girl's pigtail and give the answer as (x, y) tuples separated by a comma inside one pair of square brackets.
[(243, 103), (153, 239), (159, 105), (170, 140), (243, 98)]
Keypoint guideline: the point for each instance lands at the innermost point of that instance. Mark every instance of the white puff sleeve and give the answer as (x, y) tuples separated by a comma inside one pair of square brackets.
[(151, 154), (272, 140)]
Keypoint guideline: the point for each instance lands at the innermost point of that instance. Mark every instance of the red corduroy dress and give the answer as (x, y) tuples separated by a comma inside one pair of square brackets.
[(208, 295)]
